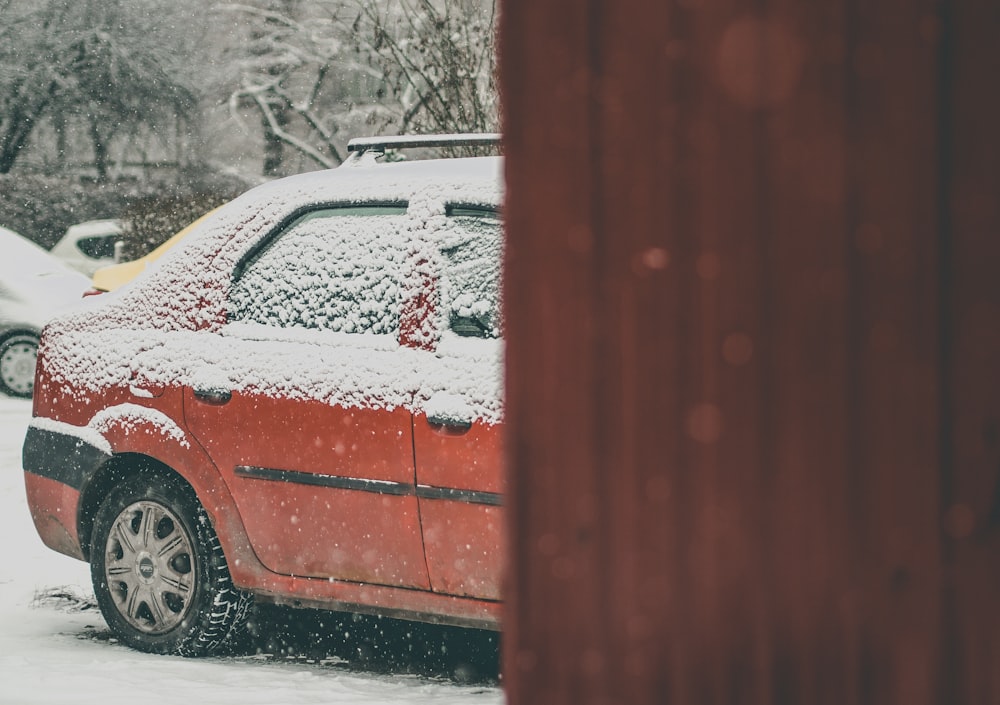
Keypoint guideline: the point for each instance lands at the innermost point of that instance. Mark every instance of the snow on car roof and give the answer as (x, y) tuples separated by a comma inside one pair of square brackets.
[(467, 177), (171, 320)]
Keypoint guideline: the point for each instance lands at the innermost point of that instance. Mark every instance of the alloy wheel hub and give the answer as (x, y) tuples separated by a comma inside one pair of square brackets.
[(149, 566), (18, 366), (146, 568)]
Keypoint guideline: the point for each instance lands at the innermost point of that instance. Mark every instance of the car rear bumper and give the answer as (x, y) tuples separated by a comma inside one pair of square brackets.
[(57, 466)]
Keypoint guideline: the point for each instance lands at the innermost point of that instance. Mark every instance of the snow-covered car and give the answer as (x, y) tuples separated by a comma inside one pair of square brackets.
[(33, 287), (86, 247), (301, 402)]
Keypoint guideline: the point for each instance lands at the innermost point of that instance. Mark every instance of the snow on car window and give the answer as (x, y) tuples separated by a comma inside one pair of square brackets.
[(336, 269), (471, 243)]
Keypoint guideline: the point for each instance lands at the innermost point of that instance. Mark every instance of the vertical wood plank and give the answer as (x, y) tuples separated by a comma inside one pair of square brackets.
[(971, 347), (752, 386), (556, 494)]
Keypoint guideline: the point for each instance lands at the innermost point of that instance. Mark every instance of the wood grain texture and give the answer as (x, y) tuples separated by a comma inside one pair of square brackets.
[(752, 389)]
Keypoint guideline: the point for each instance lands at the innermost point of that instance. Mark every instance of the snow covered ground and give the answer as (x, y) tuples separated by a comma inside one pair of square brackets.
[(55, 647)]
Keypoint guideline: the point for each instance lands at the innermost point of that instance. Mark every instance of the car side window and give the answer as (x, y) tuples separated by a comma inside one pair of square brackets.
[(473, 250), (99, 247), (335, 269)]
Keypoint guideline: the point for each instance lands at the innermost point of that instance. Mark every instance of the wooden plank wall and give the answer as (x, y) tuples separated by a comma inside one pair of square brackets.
[(753, 322)]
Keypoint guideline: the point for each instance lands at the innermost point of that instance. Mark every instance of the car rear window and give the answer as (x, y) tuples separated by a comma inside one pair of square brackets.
[(473, 248)]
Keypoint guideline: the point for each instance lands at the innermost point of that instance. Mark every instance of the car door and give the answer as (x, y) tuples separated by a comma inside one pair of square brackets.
[(302, 400), (457, 429)]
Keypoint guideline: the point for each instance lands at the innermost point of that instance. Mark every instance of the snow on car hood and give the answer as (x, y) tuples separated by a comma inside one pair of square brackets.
[(169, 325)]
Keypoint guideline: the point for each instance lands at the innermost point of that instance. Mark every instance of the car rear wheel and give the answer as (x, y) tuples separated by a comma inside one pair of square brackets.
[(17, 365), (159, 572)]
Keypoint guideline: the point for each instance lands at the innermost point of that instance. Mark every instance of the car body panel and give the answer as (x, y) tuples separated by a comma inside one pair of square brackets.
[(460, 486), (399, 602), (53, 505), (317, 485)]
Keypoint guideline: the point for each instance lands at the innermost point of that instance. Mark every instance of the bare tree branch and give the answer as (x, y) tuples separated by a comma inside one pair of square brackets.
[(290, 139)]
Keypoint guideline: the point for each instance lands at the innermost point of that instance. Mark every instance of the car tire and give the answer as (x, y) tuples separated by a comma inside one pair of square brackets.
[(17, 365), (159, 573)]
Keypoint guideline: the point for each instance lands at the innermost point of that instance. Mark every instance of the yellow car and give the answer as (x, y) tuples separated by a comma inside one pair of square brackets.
[(115, 276)]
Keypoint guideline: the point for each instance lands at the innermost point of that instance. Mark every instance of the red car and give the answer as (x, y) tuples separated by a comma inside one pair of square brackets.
[(300, 403)]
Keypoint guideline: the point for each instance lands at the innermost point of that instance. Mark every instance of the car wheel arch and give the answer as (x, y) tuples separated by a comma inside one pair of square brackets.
[(116, 469), (211, 493)]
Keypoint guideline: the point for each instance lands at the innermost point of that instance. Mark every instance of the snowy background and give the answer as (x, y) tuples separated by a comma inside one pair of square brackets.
[(56, 648)]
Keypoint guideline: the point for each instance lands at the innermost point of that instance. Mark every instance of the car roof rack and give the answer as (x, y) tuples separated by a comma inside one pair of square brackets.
[(379, 145)]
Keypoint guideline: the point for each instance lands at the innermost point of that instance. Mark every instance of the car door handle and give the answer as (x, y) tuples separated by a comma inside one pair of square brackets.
[(213, 396)]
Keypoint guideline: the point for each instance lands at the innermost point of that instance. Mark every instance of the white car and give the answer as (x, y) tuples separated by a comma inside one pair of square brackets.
[(89, 246), (34, 285)]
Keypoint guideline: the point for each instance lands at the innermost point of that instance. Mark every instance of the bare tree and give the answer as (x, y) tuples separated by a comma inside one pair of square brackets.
[(438, 59), (290, 67), (27, 86), (317, 71), (144, 95), (86, 61)]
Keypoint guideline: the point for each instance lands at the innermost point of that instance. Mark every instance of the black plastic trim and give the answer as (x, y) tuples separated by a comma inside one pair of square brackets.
[(382, 143), (473, 210), (334, 481), (455, 495), (378, 610), (399, 489), (61, 457)]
